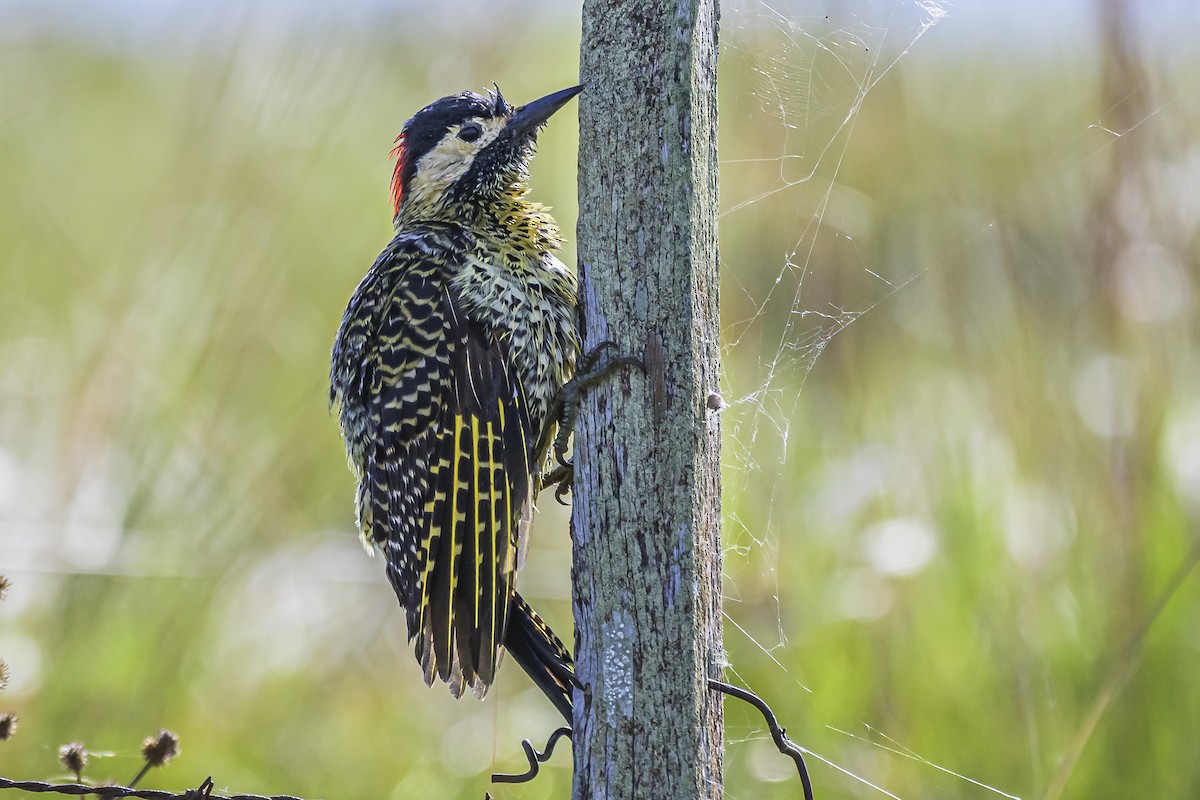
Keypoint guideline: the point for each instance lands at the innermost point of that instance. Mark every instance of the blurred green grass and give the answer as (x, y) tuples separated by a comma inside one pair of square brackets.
[(944, 523)]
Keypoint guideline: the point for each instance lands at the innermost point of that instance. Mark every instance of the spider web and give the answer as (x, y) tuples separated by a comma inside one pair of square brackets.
[(811, 71), (810, 74), (809, 68)]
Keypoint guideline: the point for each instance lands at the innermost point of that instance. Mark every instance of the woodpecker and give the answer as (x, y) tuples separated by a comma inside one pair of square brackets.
[(446, 371)]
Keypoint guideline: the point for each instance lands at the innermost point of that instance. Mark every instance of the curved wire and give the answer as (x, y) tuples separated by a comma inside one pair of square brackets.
[(534, 757), (778, 734)]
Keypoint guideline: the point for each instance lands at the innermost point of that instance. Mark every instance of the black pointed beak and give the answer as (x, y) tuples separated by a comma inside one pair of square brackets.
[(532, 116)]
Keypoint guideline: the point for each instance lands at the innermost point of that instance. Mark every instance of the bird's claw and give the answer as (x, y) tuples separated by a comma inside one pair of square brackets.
[(587, 375)]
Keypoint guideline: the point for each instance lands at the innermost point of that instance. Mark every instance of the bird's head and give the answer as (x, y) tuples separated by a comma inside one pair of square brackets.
[(468, 146)]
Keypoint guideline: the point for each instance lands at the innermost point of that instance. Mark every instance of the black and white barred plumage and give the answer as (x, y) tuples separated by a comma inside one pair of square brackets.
[(445, 370)]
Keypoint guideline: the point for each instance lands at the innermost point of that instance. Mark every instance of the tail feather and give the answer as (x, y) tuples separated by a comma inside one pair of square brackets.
[(541, 654)]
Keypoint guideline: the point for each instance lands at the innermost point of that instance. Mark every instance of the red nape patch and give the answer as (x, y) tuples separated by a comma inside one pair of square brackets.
[(398, 174)]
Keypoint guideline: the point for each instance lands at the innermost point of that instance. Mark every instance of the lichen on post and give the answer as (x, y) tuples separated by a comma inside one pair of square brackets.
[(646, 508)]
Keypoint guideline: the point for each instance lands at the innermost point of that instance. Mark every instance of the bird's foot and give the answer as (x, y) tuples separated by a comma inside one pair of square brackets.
[(589, 373)]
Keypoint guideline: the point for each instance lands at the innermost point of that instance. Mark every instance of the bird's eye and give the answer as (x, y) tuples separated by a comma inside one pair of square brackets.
[(470, 132)]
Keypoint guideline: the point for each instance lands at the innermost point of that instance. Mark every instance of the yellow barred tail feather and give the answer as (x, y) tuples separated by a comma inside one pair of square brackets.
[(541, 654)]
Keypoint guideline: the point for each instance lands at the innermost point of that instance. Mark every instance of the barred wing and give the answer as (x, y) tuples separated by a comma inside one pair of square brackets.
[(445, 476)]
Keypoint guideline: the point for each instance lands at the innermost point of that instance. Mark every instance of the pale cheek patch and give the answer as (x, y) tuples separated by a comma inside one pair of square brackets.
[(448, 161)]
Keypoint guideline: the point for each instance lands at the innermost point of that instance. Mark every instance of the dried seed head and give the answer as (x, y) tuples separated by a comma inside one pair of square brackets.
[(160, 749), (4, 584), (74, 757), (8, 725), (3, 676)]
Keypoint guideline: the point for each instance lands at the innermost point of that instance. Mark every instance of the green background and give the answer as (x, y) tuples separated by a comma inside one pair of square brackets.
[(962, 449)]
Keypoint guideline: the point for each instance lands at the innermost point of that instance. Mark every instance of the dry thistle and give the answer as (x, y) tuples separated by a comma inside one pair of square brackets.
[(3, 675), (157, 750), (8, 725), (74, 757), (4, 584), (160, 749)]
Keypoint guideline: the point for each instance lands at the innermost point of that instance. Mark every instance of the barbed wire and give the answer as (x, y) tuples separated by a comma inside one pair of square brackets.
[(203, 792)]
